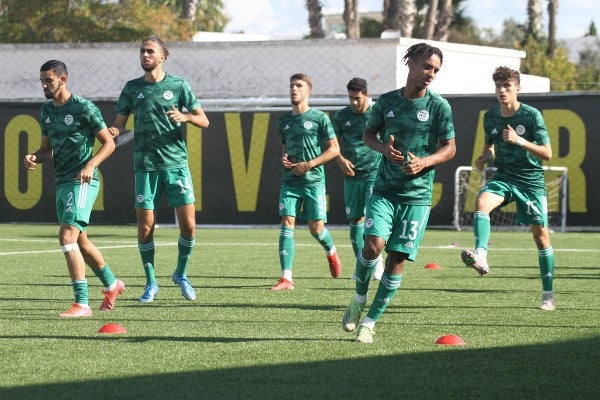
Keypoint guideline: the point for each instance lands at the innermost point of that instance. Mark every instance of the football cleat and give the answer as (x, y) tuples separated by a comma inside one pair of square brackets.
[(335, 265), (352, 315), (283, 284), (548, 302), (364, 334), (77, 310), (150, 291), (111, 295), (187, 290), (471, 260)]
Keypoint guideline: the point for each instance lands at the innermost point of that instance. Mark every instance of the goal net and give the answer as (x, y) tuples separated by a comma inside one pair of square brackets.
[(469, 180)]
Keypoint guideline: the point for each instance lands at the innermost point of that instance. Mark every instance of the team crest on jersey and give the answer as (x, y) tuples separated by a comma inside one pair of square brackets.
[(68, 119), (520, 129), (140, 198), (423, 115), (168, 95), (308, 124), (369, 223)]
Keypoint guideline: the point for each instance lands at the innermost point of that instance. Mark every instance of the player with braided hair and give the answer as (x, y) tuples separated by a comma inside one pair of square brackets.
[(412, 127)]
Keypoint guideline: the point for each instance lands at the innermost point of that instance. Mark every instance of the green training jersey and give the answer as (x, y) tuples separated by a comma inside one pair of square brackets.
[(72, 130), (349, 126), (303, 135), (158, 142), (417, 126), (515, 164)]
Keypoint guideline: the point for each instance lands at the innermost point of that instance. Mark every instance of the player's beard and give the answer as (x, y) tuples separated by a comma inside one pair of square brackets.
[(149, 66)]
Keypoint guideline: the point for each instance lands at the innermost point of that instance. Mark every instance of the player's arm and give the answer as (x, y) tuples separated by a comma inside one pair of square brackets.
[(196, 117), (542, 151), (41, 155), (488, 153), (106, 149), (332, 150), (118, 126)]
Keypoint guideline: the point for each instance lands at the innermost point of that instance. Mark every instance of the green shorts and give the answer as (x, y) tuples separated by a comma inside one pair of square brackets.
[(532, 206), (74, 202), (175, 183), (307, 203), (356, 196), (401, 225)]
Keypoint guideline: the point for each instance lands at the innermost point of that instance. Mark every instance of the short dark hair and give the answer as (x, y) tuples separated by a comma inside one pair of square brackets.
[(56, 66), (422, 49), (503, 74), (160, 43), (357, 85), (302, 77)]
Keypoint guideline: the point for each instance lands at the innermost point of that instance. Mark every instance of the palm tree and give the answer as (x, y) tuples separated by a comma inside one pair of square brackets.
[(431, 19), (352, 19), (391, 13), (534, 14), (442, 27), (315, 18), (552, 11), (408, 11)]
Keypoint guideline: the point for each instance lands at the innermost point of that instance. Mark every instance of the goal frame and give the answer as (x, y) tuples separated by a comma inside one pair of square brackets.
[(562, 198)]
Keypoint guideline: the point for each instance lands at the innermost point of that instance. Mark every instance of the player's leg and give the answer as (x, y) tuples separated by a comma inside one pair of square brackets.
[(485, 203), (179, 190), (315, 211), (148, 192), (289, 205), (355, 212), (541, 237), (378, 227), (68, 241), (94, 259), (186, 215)]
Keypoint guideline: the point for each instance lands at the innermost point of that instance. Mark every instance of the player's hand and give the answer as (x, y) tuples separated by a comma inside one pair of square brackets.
[(346, 166), (413, 164), (86, 174), (392, 153), (285, 161), (175, 115), (30, 161), (509, 135), (114, 131), (301, 168)]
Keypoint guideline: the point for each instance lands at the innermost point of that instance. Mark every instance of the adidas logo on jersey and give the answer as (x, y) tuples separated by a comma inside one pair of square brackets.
[(141, 95), (390, 115), (47, 120), (494, 131), (348, 123)]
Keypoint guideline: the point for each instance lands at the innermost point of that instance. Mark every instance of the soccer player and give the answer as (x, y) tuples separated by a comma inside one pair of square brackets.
[(157, 100), (516, 142), (308, 142), (416, 133), (70, 125), (357, 161)]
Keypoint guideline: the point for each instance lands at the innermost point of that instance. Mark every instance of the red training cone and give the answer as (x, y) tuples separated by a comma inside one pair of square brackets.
[(450, 340), (433, 266), (112, 328)]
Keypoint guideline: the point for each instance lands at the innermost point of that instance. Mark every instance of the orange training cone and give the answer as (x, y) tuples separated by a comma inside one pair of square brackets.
[(450, 340), (112, 328), (433, 266)]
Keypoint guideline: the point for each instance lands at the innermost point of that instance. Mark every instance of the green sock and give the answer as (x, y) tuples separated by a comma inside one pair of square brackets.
[(481, 229), (80, 288), (185, 247), (357, 239), (324, 238), (147, 254), (546, 261), (106, 276), (364, 269), (286, 247), (388, 287)]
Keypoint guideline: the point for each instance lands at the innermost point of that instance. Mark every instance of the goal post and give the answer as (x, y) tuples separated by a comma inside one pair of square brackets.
[(469, 180)]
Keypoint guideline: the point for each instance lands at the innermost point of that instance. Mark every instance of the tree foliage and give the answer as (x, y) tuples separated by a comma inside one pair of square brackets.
[(74, 21), (561, 71)]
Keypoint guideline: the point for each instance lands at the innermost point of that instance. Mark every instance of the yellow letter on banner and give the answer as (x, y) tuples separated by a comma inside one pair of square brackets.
[(567, 119), (13, 162), (246, 172), (194, 145)]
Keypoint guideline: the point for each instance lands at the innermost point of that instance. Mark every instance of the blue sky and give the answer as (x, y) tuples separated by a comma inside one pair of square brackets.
[(287, 18)]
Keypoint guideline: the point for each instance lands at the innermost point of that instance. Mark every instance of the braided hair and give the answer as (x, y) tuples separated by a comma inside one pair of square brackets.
[(422, 49)]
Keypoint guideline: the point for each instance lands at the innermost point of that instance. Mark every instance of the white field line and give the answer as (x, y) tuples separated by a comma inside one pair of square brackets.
[(228, 244)]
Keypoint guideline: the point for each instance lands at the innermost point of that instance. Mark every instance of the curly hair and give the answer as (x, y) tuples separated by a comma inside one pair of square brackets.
[(503, 74), (422, 49)]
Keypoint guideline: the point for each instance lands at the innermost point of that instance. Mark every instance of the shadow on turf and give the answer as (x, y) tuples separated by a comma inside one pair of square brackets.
[(563, 370)]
